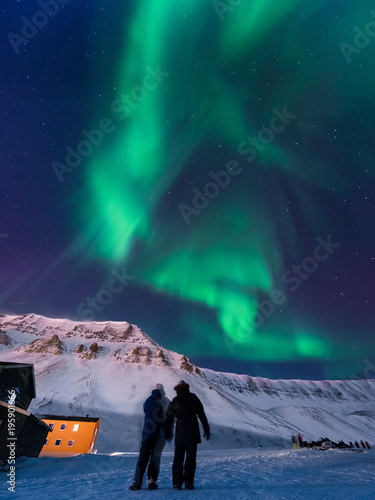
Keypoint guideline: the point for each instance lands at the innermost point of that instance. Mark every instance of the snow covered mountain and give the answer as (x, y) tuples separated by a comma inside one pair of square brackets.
[(107, 369)]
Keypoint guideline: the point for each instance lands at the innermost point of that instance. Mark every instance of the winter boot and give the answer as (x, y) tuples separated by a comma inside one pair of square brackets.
[(189, 486), (152, 485), (135, 486)]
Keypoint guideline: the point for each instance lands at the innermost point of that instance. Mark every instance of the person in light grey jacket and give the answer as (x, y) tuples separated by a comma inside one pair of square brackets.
[(160, 443)]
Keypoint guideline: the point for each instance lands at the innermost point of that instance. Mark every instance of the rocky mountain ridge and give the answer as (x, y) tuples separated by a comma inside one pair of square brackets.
[(108, 369), (121, 340), (113, 331)]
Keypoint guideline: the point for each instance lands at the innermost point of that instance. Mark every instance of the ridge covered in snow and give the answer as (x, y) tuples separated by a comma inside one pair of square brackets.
[(107, 370)]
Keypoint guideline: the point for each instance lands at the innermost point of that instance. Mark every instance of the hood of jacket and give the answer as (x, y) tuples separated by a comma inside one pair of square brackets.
[(156, 394)]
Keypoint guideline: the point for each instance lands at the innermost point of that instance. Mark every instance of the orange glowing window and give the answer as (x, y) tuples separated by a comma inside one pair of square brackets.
[(63, 427), (71, 442), (75, 427)]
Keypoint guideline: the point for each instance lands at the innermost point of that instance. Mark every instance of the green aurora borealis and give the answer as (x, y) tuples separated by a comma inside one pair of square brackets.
[(225, 258), (265, 92)]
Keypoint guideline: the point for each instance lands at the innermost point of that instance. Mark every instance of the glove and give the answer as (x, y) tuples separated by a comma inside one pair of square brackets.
[(207, 435)]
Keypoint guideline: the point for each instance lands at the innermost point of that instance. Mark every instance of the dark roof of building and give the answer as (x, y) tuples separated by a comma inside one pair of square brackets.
[(68, 418)]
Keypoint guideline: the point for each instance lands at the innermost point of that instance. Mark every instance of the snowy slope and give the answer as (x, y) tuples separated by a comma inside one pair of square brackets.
[(108, 369)]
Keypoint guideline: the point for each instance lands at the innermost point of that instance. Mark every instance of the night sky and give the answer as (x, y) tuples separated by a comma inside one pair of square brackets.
[(203, 169)]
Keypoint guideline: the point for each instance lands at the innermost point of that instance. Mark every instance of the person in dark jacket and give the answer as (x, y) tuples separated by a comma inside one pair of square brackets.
[(154, 420), (185, 407), (300, 442)]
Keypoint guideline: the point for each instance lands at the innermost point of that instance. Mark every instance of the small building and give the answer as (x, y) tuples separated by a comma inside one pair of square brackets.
[(70, 435), (33, 436)]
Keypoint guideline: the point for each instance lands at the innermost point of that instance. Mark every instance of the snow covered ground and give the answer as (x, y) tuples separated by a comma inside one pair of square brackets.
[(230, 474), (108, 369)]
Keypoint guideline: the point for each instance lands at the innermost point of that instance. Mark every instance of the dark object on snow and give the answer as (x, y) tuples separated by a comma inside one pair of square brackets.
[(152, 441), (325, 444), (363, 445), (17, 389), (356, 444), (26, 438), (368, 446), (341, 445), (295, 442), (300, 442), (17, 377), (185, 408)]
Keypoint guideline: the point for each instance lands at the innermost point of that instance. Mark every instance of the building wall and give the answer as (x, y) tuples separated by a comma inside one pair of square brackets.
[(70, 437)]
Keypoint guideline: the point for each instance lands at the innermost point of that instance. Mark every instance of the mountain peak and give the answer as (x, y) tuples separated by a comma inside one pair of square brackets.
[(109, 369), (112, 331), (121, 341)]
